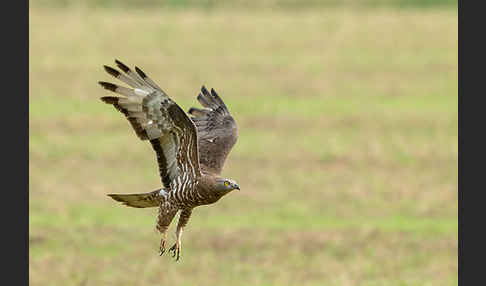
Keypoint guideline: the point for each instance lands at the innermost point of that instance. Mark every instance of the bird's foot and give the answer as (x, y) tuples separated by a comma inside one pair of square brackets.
[(176, 250)]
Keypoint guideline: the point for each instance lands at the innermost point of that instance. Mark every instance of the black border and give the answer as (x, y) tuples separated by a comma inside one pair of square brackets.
[(471, 113), (15, 135)]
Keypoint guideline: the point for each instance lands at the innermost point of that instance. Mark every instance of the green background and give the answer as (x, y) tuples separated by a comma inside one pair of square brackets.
[(347, 154)]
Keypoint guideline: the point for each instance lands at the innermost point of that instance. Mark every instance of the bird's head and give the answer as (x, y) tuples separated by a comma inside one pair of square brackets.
[(226, 185)]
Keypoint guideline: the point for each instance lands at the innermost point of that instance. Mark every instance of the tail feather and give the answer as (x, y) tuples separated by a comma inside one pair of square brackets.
[(146, 200)]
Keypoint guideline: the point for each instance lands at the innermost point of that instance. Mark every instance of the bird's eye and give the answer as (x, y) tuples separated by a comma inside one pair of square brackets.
[(226, 184)]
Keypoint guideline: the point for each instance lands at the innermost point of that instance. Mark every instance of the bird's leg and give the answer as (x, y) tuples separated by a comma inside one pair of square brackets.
[(163, 221), (162, 243), (176, 249)]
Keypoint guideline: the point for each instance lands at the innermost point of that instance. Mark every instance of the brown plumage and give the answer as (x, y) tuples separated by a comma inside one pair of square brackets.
[(190, 151), (217, 131)]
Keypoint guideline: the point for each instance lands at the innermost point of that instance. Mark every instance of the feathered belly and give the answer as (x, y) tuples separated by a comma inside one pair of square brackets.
[(189, 198)]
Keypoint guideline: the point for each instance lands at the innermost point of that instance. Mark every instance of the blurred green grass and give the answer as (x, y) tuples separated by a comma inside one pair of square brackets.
[(347, 155)]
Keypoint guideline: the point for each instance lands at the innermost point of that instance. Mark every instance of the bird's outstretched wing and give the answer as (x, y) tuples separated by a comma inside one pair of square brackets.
[(157, 118), (216, 128)]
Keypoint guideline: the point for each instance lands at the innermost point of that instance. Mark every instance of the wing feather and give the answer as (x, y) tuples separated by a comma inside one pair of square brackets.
[(216, 128), (157, 118)]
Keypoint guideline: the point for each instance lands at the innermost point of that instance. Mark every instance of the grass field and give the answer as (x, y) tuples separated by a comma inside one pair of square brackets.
[(347, 156)]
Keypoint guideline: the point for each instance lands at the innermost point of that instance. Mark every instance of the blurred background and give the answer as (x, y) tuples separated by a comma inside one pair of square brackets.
[(347, 154)]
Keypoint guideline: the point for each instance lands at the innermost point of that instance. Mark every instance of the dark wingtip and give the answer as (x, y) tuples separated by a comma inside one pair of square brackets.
[(109, 100), (108, 85), (204, 90), (112, 71), (121, 66), (213, 92), (140, 73), (218, 99)]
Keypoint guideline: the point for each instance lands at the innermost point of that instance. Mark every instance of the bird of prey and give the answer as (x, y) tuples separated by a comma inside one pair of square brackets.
[(191, 151)]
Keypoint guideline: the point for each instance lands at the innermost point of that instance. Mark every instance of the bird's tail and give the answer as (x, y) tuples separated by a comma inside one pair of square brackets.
[(146, 200)]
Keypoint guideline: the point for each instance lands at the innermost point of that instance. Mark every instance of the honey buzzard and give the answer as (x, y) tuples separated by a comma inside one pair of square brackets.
[(190, 151)]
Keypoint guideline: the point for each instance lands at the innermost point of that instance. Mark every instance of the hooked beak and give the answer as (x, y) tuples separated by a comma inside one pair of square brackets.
[(237, 187)]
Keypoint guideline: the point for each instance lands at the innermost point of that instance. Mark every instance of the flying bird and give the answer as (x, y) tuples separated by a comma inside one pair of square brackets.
[(190, 151)]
